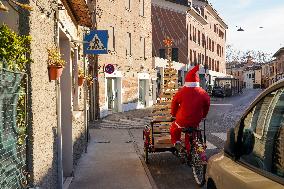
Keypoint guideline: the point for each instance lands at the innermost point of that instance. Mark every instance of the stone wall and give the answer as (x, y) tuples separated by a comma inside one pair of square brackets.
[(43, 100), (42, 158)]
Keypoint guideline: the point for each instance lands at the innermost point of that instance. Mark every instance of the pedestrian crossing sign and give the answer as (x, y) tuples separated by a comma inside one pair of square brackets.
[(96, 42)]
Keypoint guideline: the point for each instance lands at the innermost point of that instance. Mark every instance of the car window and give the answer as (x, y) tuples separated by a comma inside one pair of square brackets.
[(263, 135)]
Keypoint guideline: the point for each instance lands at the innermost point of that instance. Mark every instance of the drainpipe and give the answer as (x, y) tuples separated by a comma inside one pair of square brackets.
[(85, 107), (58, 108)]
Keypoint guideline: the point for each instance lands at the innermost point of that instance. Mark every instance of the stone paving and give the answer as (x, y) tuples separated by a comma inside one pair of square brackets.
[(127, 120)]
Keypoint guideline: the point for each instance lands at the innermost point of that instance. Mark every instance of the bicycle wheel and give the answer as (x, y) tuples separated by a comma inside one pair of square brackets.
[(198, 167)]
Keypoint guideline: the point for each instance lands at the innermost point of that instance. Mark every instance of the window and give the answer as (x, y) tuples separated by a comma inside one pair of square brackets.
[(190, 33), (111, 39), (263, 134), (175, 54), (218, 64), (142, 7), (127, 4), (194, 36), (162, 53), (203, 40), (143, 47), (128, 45), (190, 56), (212, 46), (198, 37)]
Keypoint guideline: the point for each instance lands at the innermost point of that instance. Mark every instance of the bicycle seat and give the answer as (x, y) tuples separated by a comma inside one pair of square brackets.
[(190, 130)]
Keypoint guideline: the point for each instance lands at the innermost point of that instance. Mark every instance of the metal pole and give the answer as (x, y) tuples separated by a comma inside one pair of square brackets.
[(85, 106), (59, 135), (58, 110)]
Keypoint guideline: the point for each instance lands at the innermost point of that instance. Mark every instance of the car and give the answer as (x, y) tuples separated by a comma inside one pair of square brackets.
[(253, 154), (218, 91)]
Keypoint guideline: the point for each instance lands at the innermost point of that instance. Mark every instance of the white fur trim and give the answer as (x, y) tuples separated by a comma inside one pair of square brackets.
[(191, 84), (178, 125)]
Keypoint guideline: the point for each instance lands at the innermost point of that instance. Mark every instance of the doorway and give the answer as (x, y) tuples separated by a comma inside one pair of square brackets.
[(142, 92), (66, 106), (112, 94)]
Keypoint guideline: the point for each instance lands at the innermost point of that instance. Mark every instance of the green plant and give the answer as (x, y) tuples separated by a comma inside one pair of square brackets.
[(54, 58), (13, 49), (89, 79)]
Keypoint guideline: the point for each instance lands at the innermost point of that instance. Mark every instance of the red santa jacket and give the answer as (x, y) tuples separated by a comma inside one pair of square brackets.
[(190, 105)]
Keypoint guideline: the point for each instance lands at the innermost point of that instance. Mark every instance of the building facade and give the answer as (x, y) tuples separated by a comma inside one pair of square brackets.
[(198, 34), (207, 38), (130, 86), (56, 121), (279, 66)]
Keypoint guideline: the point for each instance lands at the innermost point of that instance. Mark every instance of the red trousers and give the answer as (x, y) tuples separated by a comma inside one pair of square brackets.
[(175, 131)]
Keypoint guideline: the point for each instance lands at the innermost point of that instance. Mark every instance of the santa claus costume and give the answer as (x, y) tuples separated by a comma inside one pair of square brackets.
[(189, 105)]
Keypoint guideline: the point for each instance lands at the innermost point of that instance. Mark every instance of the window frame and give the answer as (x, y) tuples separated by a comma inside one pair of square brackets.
[(142, 8), (239, 134)]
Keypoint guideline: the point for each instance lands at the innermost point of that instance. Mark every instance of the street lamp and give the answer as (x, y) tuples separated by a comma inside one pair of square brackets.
[(240, 29)]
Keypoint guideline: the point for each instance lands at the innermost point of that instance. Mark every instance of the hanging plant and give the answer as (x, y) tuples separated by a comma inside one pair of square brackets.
[(81, 77), (55, 63), (89, 80), (13, 49)]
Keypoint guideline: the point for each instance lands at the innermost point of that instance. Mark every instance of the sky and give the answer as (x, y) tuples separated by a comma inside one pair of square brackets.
[(251, 15)]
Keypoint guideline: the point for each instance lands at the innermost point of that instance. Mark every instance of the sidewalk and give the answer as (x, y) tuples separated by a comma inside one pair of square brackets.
[(111, 163)]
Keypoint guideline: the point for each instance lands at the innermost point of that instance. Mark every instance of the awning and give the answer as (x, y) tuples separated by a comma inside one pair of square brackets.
[(79, 9)]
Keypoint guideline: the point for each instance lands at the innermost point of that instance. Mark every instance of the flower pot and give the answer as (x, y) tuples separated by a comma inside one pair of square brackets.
[(89, 83), (80, 81), (54, 72)]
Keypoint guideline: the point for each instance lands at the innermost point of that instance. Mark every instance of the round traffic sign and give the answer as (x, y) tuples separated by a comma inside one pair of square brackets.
[(109, 68)]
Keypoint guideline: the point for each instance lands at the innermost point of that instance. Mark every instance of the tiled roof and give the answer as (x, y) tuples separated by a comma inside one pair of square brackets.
[(80, 10)]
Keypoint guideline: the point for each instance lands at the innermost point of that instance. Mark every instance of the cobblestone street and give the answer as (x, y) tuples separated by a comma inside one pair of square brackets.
[(164, 171)]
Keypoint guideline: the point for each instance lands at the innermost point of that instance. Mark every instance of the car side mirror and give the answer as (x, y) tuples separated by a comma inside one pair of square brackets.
[(230, 144)]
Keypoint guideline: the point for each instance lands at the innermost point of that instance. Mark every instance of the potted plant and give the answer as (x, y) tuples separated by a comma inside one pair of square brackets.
[(81, 77), (55, 64), (89, 79)]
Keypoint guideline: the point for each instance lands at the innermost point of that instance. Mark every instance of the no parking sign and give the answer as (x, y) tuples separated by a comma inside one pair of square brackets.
[(109, 68)]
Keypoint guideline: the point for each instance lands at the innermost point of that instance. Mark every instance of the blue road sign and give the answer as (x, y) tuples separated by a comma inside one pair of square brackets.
[(96, 42)]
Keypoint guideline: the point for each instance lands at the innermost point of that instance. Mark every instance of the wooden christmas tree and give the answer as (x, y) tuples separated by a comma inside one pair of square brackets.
[(161, 110)]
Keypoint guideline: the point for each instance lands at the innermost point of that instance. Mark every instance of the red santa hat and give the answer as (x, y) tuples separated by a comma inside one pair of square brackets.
[(192, 79)]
